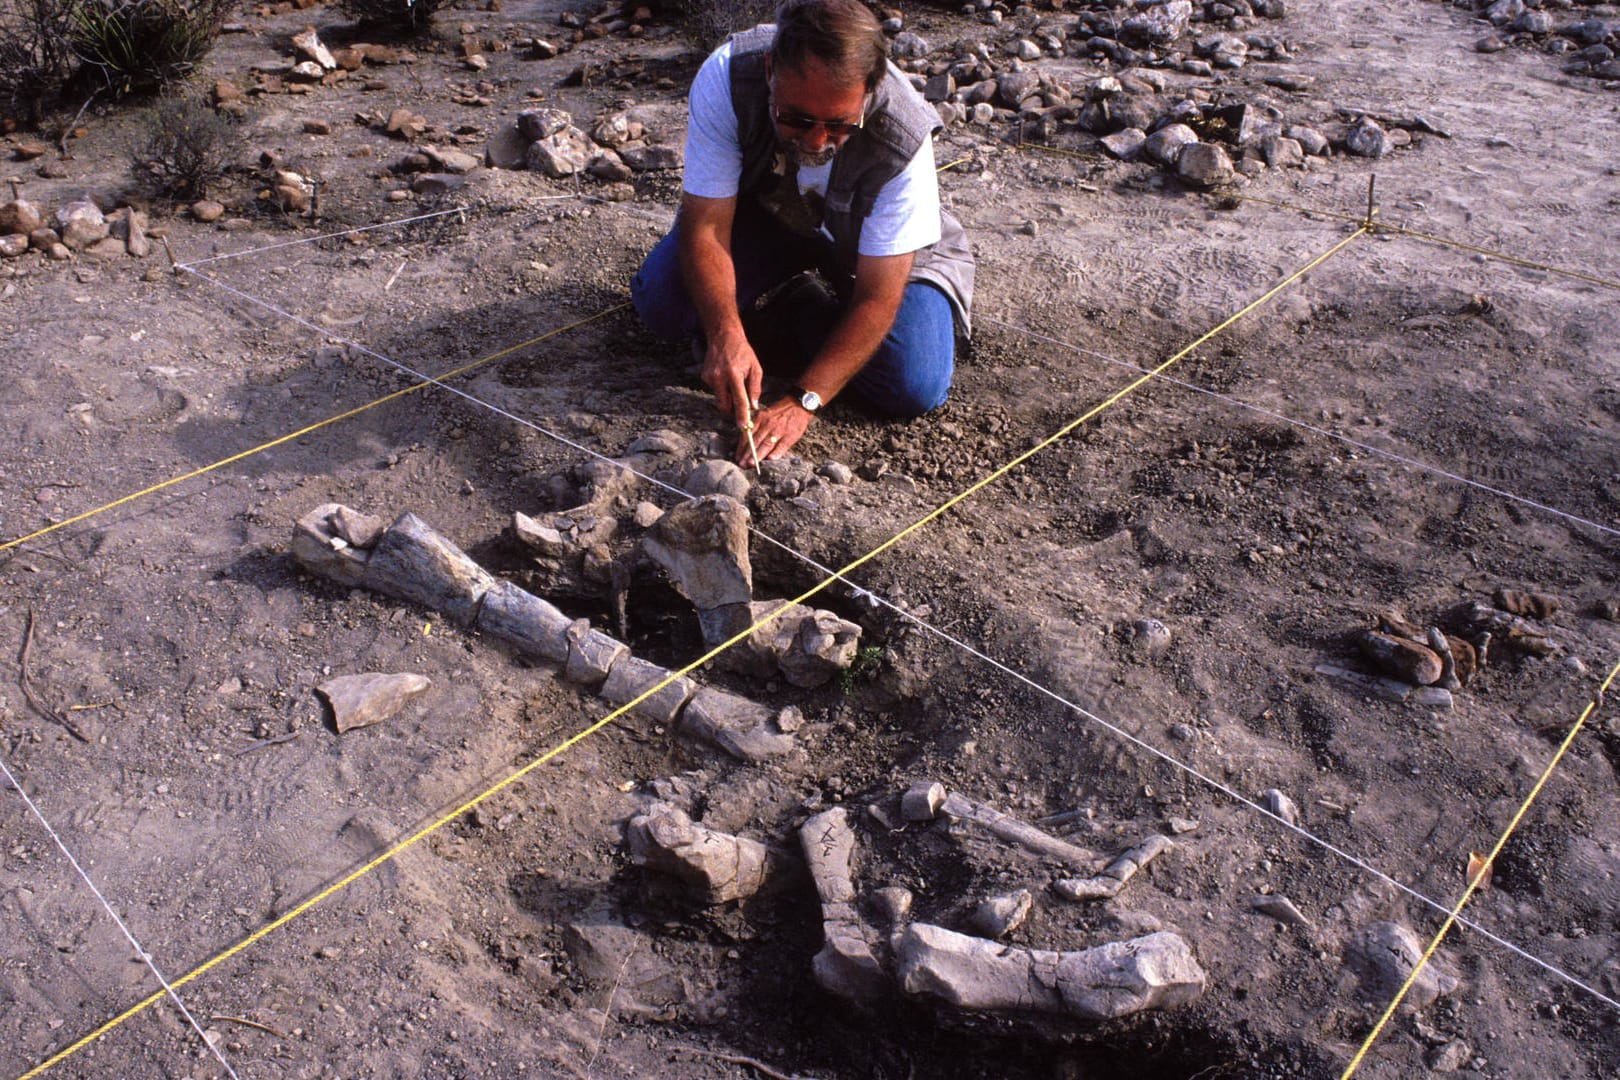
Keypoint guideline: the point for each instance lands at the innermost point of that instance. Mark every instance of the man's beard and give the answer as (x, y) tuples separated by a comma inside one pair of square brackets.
[(807, 159)]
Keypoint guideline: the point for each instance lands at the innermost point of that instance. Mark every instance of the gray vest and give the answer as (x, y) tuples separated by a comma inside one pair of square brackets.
[(896, 124)]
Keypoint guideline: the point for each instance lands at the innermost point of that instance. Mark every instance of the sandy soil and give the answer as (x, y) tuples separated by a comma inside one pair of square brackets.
[(1306, 474)]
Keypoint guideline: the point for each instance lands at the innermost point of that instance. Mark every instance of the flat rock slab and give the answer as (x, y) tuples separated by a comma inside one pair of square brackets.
[(362, 700)]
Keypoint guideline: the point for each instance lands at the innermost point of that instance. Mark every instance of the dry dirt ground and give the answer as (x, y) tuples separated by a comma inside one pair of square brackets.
[(1302, 477)]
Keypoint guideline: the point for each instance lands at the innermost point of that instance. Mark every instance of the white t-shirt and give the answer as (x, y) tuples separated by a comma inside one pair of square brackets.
[(905, 217)]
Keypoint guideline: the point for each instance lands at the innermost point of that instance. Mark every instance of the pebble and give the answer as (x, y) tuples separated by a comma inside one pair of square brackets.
[(1368, 140), (1149, 637), (835, 472), (1280, 908), (1275, 802)]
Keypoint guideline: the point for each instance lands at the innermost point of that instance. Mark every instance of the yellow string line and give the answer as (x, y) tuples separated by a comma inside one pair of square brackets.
[(584, 733), (221, 463), (1608, 283), (1479, 875)]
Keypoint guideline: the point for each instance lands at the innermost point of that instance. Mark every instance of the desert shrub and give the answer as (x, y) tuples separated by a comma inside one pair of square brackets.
[(707, 22), (185, 146), (407, 17), (137, 45), (36, 56)]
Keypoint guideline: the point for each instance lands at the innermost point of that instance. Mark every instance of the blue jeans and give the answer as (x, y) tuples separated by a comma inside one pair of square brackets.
[(910, 373)]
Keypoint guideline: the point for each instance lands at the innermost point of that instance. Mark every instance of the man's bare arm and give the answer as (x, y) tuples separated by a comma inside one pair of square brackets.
[(730, 368), (880, 283)]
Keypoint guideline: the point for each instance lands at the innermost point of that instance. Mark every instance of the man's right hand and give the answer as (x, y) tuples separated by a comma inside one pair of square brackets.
[(732, 371)]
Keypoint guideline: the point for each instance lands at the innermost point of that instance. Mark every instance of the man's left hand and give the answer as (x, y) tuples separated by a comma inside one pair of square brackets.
[(777, 427)]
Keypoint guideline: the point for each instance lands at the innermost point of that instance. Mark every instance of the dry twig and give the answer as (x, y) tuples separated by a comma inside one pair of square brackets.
[(27, 685), (247, 1023), (740, 1059)]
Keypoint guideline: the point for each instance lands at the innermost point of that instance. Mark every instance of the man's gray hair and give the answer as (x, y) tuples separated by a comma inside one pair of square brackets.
[(842, 35)]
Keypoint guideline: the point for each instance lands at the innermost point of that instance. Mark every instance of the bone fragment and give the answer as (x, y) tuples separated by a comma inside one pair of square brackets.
[(319, 545), (361, 700), (1448, 663), (1014, 831), (1509, 631), (1114, 876), (922, 800), (413, 562), (734, 724), (1536, 605), (846, 965), (1157, 971), (1400, 658), (703, 546), (531, 625), (632, 677), (720, 866), (591, 654)]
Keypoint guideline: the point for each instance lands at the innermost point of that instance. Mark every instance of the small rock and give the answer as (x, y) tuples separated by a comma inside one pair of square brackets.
[(908, 46), (80, 224), (20, 216), (1384, 955), (317, 127), (717, 477), (609, 166), (645, 158), (360, 700), (307, 71), (1450, 1056), (836, 472), (561, 154), (646, 514), (1310, 140), (1368, 140), (1275, 802), (507, 149), (1125, 144), (1431, 697), (1281, 152), (1165, 146), (1179, 825), (1150, 637), (306, 42), (13, 245), (451, 160), (537, 124), (207, 210), (1204, 165), (998, 916), (893, 903)]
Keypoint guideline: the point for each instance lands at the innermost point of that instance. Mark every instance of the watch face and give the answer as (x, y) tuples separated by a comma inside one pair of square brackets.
[(810, 400)]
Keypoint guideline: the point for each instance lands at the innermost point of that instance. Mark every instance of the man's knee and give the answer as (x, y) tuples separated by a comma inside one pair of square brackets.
[(658, 293)]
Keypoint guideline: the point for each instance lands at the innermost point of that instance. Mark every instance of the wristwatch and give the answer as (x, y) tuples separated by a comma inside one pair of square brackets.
[(809, 400)]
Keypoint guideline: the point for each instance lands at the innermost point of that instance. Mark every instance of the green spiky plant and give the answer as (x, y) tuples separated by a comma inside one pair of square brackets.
[(133, 46)]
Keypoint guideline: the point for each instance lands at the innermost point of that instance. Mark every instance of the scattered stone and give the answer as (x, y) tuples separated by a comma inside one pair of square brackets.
[(1367, 139), (317, 127), (717, 477), (1179, 825), (808, 646), (507, 149), (609, 954), (608, 166), (435, 185), (80, 224), (561, 154), (1125, 144), (28, 151), (646, 514), (647, 158), (1431, 697), (836, 472), (846, 965), (361, 700), (405, 124), (450, 160), (307, 71), (998, 916), (307, 43), (1310, 140), (1276, 803), (1450, 1056), (894, 903), (1281, 152), (922, 800), (207, 211), (720, 866), (20, 216), (1534, 605), (13, 245), (44, 239), (1123, 977), (1280, 908), (1384, 955), (537, 124)]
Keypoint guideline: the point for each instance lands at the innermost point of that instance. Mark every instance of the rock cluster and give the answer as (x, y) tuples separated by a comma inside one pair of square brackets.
[(548, 141), (410, 561), (1589, 44), (1135, 114), (85, 226)]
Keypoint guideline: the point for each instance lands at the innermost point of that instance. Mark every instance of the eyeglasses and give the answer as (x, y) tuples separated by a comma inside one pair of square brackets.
[(835, 129)]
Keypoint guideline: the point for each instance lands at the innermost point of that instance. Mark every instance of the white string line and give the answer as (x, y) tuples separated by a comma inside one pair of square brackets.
[(1306, 425), (318, 238), (944, 636), (145, 957)]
